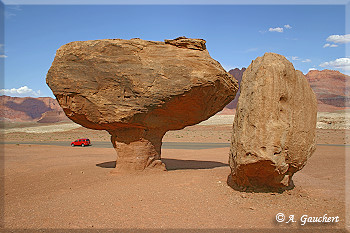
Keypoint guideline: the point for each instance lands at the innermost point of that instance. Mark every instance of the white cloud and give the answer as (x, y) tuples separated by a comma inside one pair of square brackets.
[(276, 29), (339, 39), (15, 7), (330, 45), (11, 11), (279, 29), (340, 63), (312, 69), (306, 60), (9, 15), (227, 67), (2, 46), (251, 50), (22, 91), (296, 58)]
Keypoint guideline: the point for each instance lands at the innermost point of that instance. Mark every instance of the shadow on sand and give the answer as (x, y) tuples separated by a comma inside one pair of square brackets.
[(31, 107), (259, 189), (176, 164)]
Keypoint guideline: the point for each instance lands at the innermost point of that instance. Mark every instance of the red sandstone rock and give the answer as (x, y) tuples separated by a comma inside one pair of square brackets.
[(274, 127), (137, 90)]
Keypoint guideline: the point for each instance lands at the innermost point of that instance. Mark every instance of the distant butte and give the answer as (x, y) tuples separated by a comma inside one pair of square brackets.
[(330, 88), (22, 109)]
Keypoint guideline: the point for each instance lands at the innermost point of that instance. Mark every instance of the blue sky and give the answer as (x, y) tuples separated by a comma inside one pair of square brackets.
[(311, 37)]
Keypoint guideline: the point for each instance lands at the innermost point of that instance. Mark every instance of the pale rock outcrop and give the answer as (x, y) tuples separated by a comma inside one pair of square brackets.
[(137, 90), (53, 116), (274, 127)]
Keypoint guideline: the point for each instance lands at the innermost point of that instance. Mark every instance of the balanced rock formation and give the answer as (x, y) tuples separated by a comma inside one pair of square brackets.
[(137, 90), (274, 127)]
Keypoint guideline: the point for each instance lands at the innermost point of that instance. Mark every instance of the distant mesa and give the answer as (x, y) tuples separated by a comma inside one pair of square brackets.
[(330, 88), (138, 90), (237, 74), (29, 109)]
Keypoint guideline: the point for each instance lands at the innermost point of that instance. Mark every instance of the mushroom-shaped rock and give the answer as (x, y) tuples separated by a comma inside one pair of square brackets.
[(137, 90), (274, 127)]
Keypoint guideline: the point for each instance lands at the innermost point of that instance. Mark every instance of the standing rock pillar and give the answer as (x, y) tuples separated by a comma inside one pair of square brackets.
[(137, 149), (275, 125)]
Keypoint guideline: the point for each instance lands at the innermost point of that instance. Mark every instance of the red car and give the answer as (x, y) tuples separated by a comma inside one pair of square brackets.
[(81, 142)]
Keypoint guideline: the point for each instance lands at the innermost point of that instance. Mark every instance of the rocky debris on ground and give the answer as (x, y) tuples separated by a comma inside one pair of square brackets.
[(333, 120), (274, 127), (138, 90)]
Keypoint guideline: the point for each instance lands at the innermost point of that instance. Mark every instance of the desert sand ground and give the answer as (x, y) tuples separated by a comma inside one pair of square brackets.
[(60, 187)]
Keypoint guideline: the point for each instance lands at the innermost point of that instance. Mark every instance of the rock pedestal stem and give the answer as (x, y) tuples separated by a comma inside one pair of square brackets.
[(137, 149)]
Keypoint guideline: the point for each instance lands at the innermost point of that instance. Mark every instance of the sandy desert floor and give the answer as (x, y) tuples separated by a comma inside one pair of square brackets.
[(59, 187)]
